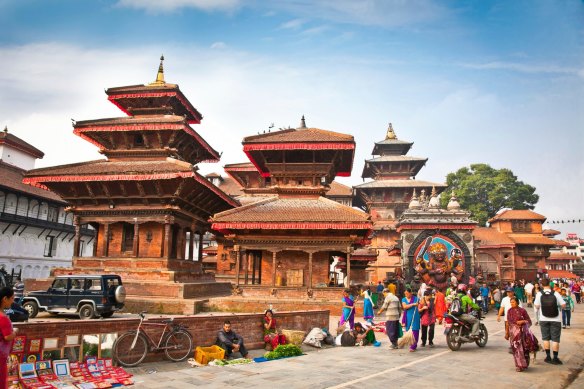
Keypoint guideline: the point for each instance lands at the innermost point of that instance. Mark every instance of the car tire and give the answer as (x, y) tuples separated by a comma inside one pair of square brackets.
[(120, 294), (32, 308), (86, 312)]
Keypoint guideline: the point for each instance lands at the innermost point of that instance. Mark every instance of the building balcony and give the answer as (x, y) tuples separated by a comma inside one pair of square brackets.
[(11, 218)]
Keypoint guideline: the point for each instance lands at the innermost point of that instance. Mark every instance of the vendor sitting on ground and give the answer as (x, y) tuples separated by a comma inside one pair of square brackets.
[(229, 341), (271, 336), (365, 336)]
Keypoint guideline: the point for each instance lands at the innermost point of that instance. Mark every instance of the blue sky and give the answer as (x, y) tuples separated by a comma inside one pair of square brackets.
[(499, 82)]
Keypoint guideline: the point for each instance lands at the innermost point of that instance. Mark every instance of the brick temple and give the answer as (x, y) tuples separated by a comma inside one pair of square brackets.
[(387, 196), (285, 238), (146, 201)]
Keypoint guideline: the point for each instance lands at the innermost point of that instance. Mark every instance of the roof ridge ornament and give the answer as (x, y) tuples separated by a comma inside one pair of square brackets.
[(160, 74), (6, 129), (302, 122), (390, 133)]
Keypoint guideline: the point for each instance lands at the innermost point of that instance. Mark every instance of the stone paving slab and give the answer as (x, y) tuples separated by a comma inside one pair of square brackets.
[(359, 367)]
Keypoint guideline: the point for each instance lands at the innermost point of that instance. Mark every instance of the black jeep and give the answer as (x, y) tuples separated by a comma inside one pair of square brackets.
[(89, 296)]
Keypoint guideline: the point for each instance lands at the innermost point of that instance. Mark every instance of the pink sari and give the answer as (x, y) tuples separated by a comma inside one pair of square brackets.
[(521, 338)]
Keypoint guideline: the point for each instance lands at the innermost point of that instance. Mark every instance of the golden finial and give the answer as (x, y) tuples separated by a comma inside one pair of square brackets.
[(160, 74), (6, 129), (390, 133)]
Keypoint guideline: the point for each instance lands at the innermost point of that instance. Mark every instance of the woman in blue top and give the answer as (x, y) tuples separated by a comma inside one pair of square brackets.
[(411, 316)]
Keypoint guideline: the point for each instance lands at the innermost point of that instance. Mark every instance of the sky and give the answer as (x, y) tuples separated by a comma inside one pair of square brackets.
[(496, 82)]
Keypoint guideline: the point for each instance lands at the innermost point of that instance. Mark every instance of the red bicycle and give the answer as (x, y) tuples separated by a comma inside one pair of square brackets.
[(131, 348)]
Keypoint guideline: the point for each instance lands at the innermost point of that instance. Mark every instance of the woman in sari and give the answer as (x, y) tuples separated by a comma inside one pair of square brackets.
[(521, 338), (271, 336), (367, 305), (440, 306), (411, 317), (348, 315)]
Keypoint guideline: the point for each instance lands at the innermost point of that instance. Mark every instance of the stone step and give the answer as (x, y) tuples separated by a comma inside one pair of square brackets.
[(163, 305), (177, 290)]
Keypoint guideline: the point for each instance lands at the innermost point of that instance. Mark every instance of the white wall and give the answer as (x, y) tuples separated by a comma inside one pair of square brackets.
[(16, 157)]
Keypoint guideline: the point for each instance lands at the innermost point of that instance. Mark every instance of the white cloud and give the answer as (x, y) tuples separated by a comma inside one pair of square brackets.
[(172, 5), (523, 68), (218, 45), (293, 24)]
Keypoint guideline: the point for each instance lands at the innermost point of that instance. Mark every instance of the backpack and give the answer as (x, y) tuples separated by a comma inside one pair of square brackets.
[(549, 304), (456, 307)]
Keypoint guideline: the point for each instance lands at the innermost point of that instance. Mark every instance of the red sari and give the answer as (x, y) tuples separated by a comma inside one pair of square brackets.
[(270, 334), (521, 338), (440, 306)]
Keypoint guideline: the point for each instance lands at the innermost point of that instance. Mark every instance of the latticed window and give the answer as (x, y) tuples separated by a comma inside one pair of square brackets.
[(521, 226)]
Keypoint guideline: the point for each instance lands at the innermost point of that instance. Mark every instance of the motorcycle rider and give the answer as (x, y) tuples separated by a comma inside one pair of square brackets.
[(467, 302)]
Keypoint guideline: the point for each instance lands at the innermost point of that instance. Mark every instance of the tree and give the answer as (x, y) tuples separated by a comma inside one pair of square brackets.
[(484, 191)]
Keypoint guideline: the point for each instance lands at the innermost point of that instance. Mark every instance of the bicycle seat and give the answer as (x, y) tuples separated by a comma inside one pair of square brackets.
[(168, 321)]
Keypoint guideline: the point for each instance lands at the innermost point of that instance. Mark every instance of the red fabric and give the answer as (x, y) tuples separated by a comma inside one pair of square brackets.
[(300, 146), (290, 226), (5, 346), (440, 305)]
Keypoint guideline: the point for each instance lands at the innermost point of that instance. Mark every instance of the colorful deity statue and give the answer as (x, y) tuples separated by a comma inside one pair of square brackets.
[(439, 267)]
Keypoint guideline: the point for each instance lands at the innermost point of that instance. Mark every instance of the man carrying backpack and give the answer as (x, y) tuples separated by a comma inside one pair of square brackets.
[(465, 303), (550, 304)]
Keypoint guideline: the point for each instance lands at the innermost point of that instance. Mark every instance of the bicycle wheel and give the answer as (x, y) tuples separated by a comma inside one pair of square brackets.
[(178, 345), (125, 354)]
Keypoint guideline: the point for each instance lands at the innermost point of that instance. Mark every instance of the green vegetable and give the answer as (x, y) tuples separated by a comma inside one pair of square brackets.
[(284, 350)]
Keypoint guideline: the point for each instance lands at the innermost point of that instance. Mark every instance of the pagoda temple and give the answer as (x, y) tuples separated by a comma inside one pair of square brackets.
[(146, 200), (388, 195), (287, 235)]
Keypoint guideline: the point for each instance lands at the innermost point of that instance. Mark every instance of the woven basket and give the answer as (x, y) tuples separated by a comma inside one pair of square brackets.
[(294, 336)]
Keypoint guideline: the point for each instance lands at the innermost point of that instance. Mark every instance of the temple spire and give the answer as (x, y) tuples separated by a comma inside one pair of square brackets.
[(390, 133), (302, 122), (160, 74)]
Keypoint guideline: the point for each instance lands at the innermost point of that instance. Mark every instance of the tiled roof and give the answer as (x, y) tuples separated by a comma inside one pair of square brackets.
[(550, 232), (394, 142), (561, 243), (12, 179), (561, 257), (104, 167), (338, 189), (279, 210), (395, 158), (246, 166), (401, 184), (299, 135), (491, 237), (230, 186), (171, 119), (535, 239), (9, 139), (517, 214), (561, 274)]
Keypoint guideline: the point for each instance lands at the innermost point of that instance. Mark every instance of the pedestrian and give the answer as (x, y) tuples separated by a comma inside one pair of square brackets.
[(378, 296), (440, 305), (521, 339), (528, 288), (368, 314), (18, 290), (519, 292), (576, 290), (485, 294), (505, 305), (348, 314), (7, 333), (426, 307), (391, 306), (496, 293), (411, 317), (568, 309), (536, 290), (550, 320)]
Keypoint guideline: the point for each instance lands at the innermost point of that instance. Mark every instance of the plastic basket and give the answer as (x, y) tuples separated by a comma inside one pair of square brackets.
[(204, 355)]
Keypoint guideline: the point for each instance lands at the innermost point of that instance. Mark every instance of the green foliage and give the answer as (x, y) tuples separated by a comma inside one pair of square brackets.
[(484, 191), (284, 350)]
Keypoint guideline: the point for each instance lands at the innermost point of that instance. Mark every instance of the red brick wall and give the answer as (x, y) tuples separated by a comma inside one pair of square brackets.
[(294, 260), (203, 327)]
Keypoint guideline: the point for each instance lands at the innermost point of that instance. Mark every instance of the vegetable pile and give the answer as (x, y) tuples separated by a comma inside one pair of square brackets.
[(283, 351)]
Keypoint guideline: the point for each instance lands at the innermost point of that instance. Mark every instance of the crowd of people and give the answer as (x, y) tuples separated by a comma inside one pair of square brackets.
[(415, 308)]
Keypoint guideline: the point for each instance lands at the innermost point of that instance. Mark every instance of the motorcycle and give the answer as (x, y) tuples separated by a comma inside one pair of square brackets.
[(458, 332)]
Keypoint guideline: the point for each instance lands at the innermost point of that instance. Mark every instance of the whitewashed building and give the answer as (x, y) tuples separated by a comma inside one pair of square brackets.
[(36, 233)]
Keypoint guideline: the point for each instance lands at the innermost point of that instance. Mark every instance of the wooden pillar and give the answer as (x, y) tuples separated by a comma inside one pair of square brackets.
[(200, 258), (106, 239), (310, 269), (166, 244), (274, 254), (348, 267), (77, 236), (237, 264), (246, 267), (191, 243), (136, 245)]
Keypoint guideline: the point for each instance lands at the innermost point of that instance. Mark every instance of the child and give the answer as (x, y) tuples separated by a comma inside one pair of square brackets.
[(568, 309)]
